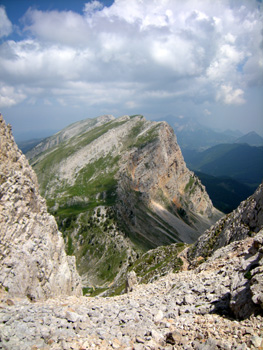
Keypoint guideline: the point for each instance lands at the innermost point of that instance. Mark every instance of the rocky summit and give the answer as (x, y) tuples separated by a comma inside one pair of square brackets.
[(33, 261)]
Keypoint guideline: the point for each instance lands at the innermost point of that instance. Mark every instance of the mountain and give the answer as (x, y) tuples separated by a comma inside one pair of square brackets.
[(194, 136), (243, 222), (206, 296), (252, 139), (241, 162), (26, 146), (119, 187), (33, 262), (214, 302), (225, 192), (235, 134), (70, 131)]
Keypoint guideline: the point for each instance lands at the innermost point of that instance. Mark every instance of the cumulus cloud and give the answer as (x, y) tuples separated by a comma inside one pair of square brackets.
[(66, 27), (137, 51), (91, 7), (5, 24), (9, 96), (229, 95)]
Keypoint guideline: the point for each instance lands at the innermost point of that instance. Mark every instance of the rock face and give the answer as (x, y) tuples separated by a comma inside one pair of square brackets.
[(157, 174), (231, 235), (243, 222), (187, 310), (33, 261), (119, 185), (217, 304)]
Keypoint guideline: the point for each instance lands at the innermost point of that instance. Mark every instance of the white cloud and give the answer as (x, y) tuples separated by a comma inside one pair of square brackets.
[(9, 96), (136, 51), (65, 28), (91, 7), (229, 95), (5, 24)]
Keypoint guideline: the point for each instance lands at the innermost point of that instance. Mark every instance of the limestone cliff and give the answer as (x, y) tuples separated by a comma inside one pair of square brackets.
[(33, 261), (117, 188), (156, 171)]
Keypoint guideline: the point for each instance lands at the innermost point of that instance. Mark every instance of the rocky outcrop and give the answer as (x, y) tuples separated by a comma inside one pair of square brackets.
[(243, 222), (186, 310), (33, 261), (239, 277), (157, 171)]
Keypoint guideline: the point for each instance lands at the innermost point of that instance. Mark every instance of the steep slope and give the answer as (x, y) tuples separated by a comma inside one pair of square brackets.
[(33, 261), (185, 310), (243, 222), (68, 132), (120, 188), (225, 192)]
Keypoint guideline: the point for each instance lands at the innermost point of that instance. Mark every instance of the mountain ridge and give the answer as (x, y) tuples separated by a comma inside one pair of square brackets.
[(134, 171), (251, 138), (232, 160)]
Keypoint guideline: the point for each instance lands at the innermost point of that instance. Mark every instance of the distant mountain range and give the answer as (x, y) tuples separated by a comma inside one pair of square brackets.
[(225, 192), (241, 162), (195, 136), (252, 139), (230, 172)]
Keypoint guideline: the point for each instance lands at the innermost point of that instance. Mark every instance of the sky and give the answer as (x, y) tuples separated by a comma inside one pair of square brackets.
[(63, 61)]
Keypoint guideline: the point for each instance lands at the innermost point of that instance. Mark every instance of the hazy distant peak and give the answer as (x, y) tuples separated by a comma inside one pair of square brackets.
[(251, 138)]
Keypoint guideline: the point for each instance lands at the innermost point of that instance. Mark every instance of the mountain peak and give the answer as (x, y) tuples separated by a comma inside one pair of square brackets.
[(251, 138)]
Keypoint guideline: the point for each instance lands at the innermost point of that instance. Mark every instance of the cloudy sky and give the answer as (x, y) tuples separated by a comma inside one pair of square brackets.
[(63, 61)]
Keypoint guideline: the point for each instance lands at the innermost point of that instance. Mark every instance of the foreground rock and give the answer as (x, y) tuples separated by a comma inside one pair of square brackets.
[(33, 261), (243, 222), (188, 310)]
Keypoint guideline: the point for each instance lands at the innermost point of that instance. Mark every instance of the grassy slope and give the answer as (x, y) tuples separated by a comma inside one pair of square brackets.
[(90, 239)]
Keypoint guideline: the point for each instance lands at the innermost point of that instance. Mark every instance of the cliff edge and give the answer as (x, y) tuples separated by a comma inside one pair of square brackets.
[(33, 261)]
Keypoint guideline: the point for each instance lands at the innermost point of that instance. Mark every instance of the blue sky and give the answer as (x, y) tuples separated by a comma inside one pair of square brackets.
[(63, 61)]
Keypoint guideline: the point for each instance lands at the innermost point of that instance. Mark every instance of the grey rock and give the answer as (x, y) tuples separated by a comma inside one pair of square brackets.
[(33, 261), (131, 281)]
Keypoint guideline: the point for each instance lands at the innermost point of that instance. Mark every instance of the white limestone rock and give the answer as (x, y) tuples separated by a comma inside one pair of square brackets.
[(33, 261)]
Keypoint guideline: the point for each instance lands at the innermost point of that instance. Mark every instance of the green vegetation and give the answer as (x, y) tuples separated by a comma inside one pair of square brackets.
[(158, 262), (94, 226), (225, 193), (228, 160), (189, 185), (147, 137)]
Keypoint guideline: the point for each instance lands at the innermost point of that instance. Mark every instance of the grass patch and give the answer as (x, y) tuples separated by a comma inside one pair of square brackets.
[(189, 184)]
